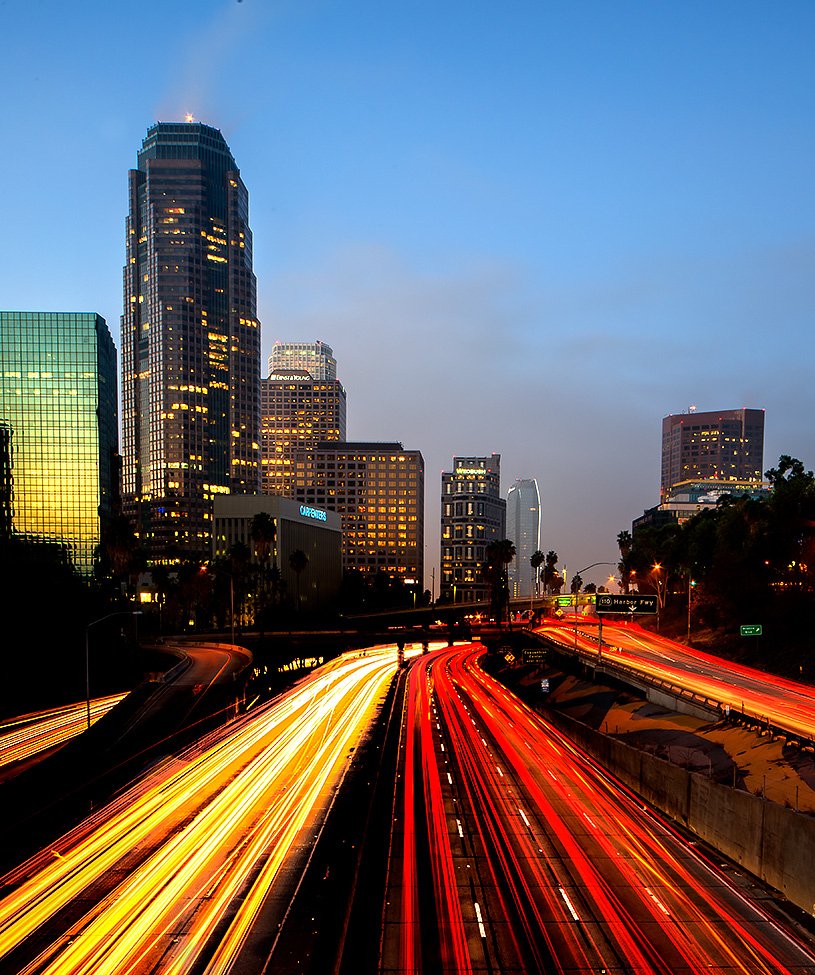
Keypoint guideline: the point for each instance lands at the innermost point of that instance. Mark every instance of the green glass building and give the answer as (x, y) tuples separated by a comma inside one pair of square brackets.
[(58, 430)]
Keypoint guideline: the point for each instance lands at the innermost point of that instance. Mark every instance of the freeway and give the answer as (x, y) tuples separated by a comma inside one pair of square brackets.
[(511, 850), (30, 734), (783, 703), (172, 875)]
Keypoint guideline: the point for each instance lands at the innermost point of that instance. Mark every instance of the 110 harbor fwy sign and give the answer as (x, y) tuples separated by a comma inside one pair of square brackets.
[(635, 603)]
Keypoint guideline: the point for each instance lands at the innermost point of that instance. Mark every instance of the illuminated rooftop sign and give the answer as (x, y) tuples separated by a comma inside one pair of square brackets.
[(470, 470), (315, 513)]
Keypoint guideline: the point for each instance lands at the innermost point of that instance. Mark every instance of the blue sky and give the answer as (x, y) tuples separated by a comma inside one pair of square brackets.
[(526, 228)]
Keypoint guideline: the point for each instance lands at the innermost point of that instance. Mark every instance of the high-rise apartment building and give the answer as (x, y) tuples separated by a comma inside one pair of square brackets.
[(378, 489), (524, 531), (720, 446), (58, 430), (296, 413), (316, 358), (473, 514), (190, 340)]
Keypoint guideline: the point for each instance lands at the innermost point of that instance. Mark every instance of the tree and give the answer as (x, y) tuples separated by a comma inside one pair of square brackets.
[(118, 554), (576, 585), (624, 541), (536, 561), (550, 572), (263, 532), (298, 560), (499, 555)]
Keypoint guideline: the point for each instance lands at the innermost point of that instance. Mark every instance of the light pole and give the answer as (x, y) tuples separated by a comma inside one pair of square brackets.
[(136, 612), (599, 617)]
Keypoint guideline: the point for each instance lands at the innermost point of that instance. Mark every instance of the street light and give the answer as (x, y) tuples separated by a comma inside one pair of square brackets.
[(599, 617), (136, 612)]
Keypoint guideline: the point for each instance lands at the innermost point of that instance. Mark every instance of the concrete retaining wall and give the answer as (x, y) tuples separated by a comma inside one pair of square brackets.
[(772, 842)]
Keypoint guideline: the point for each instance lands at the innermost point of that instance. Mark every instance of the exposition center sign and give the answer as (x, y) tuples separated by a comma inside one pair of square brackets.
[(635, 603)]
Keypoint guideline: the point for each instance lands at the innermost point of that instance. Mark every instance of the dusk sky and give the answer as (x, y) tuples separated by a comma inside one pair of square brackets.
[(526, 228)]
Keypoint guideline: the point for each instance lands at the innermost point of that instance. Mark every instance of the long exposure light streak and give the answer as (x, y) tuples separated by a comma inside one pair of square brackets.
[(210, 821), (577, 876), (29, 734), (785, 703)]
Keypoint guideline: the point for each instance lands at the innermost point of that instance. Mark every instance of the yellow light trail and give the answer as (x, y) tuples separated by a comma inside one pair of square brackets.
[(226, 812), (29, 734)]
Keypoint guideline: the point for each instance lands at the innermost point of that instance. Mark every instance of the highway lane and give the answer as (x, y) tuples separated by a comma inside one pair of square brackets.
[(171, 876), (29, 734), (784, 703), (540, 861)]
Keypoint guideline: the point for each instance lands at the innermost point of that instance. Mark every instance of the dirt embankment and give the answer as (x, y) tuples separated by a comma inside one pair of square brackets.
[(731, 753)]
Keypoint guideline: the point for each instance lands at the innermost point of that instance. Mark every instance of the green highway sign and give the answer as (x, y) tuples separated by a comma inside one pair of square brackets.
[(564, 600), (635, 603), (751, 630)]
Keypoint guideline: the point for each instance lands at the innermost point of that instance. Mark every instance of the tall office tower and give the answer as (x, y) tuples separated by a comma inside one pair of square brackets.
[(316, 358), (378, 489), (723, 446), (296, 413), (473, 514), (190, 340), (58, 430), (524, 530)]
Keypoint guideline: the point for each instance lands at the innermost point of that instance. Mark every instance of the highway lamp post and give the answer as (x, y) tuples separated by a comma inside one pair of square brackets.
[(691, 584), (136, 612), (660, 587), (600, 618)]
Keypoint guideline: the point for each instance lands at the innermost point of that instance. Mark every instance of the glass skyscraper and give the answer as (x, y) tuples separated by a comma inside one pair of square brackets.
[(524, 530), (316, 358), (190, 340), (58, 430)]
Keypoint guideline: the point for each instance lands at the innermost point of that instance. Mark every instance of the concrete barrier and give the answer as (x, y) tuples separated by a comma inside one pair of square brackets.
[(772, 842)]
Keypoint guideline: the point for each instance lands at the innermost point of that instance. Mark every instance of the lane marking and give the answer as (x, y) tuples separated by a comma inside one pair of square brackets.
[(481, 928), (569, 904)]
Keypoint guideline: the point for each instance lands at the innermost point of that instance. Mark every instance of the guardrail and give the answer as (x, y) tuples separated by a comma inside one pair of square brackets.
[(631, 675)]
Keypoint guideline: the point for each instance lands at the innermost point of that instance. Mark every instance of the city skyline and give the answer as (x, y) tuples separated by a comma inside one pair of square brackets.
[(607, 213)]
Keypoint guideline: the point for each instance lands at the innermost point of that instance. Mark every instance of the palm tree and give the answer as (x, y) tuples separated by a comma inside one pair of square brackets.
[(263, 532), (499, 555), (298, 560), (625, 540), (550, 571), (576, 585), (536, 561)]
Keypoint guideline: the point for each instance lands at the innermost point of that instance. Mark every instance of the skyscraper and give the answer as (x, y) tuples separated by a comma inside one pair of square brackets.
[(717, 446), (524, 530), (190, 340), (58, 430), (378, 489), (316, 358), (296, 413), (473, 514)]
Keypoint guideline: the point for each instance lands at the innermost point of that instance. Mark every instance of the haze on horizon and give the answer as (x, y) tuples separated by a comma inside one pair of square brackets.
[(529, 229)]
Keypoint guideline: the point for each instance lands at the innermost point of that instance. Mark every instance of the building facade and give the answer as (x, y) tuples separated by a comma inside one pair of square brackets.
[(718, 446), (298, 527), (296, 413), (58, 431), (316, 358), (524, 531), (190, 340), (378, 490), (473, 514)]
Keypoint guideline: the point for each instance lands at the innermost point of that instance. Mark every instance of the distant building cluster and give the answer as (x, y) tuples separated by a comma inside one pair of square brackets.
[(704, 457), (207, 443)]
